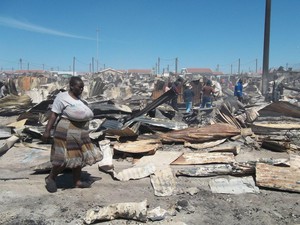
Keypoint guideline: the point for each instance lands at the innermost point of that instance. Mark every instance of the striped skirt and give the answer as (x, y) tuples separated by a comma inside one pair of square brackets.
[(72, 146)]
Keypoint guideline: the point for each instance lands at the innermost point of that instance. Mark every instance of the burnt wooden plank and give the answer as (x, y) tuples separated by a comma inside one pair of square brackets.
[(192, 158), (141, 146), (202, 134), (281, 178)]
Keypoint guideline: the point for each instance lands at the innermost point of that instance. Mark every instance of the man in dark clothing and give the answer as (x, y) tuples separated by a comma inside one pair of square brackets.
[(176, 88), (207, 92)]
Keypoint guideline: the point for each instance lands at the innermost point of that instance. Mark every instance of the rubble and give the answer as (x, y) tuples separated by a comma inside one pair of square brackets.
[(233, 185), (164, 144), (131, 210)]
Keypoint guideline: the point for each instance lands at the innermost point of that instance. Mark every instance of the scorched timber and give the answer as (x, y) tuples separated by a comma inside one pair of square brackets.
[(276, 177), (203, 134)]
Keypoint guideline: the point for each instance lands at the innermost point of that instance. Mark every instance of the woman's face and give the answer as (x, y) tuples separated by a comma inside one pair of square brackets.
[(77, 88)]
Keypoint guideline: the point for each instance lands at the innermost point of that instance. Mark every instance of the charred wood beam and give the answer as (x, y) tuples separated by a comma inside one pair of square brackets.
[(162, 99), (290, 88)]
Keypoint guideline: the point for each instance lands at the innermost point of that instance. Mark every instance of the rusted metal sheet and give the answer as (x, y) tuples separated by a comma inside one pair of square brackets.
[(282, 178), (280, 108), (24, 83), (203, 134), (141, 146), (156, 94), (191, 158), (13, 104), (125, 132)]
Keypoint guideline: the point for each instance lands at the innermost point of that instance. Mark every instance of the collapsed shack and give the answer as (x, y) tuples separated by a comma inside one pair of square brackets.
[(222, 143)]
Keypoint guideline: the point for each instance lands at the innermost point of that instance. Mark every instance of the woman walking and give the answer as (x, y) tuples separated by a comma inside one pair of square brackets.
[(72, 147)]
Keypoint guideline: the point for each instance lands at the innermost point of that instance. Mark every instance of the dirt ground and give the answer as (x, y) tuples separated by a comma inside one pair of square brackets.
[(24, 199)]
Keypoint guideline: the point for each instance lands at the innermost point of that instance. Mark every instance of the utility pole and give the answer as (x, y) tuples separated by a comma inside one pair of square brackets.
[(266, 47), (158, 65), (231, 69), (97, 49), (93, 65), (73, 66), (20, 63), (256, 66), (28, 66), (239, 67), (176, 65)]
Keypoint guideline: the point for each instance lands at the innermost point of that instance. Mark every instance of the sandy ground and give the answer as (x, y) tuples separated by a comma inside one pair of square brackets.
[(26, 201)]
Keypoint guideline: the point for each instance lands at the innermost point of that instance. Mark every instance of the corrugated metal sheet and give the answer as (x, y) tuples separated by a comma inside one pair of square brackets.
[(163, 182)]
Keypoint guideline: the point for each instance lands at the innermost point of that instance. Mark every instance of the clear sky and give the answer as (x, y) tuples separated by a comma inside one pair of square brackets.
[(132, 34)]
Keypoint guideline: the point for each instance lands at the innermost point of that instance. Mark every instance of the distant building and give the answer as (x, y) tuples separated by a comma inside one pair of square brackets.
[(217, 73), (195, 71), (140, 71), (110, 71), (17, 73)]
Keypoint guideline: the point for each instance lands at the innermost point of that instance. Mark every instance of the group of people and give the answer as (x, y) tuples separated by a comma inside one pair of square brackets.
[(207, 94), (188, 94)]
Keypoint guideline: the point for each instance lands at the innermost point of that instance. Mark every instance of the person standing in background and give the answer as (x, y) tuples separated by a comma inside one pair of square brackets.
[(188, 96), (168, 87), (206, 94), (176, 88), (238, 90), (3, 90)]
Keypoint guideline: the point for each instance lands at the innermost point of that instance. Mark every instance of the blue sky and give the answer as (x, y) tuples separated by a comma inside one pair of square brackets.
[(134, 33)]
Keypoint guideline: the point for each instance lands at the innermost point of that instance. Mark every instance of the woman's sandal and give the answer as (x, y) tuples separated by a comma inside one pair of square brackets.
[(50, 185)]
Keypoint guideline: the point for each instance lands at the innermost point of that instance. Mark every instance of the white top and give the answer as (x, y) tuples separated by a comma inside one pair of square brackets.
[(73, 109)]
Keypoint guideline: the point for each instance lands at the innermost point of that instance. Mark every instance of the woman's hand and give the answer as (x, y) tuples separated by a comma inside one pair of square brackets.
[(51, 121), (46, 136)]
